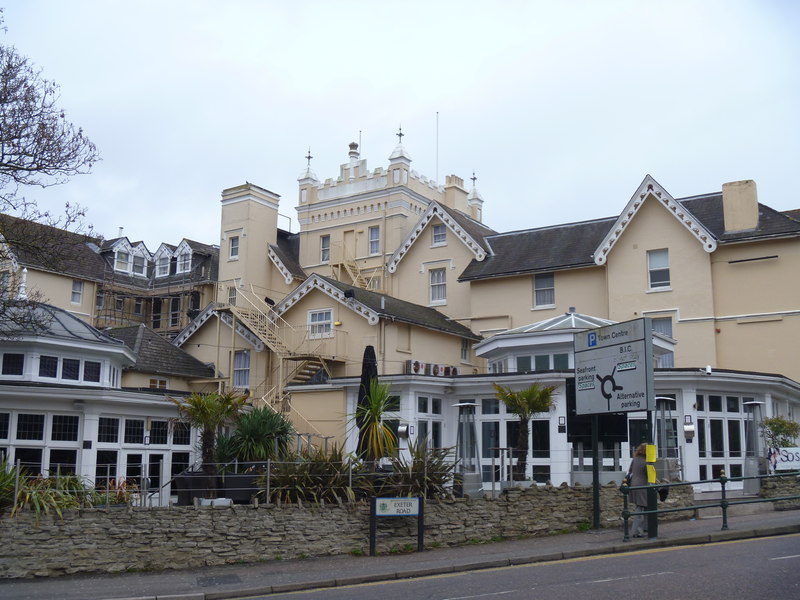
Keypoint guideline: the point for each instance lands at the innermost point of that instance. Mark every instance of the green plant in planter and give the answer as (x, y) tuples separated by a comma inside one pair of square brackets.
[(117, 491), (8, 478), (43, 494), (261, 434), (316, 477), (376, 438), (525, 404), (428, 472), (209, 413)]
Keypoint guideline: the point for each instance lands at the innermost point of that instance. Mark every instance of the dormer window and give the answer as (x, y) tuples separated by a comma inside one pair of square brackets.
[(162, 266), (185, 262), (139, 265), (122, 261)]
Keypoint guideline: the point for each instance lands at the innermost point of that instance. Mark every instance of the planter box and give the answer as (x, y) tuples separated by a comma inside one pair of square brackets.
[(240, 487), (195, 485)]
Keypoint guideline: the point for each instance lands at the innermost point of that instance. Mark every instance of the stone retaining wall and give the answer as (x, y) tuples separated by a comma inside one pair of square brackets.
[(779, 487), (120, 539)]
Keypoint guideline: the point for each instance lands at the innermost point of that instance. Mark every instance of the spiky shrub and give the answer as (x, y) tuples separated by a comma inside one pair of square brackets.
[(8, 478), (376, 438), (261, 434), (427, 472), (44, 494), (315, 476)]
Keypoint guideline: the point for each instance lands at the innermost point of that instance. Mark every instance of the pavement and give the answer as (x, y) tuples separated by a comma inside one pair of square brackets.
[(279, 576)]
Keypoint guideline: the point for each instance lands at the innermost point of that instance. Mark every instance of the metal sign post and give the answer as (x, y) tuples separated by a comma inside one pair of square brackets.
[(412, 506), (613, 374)]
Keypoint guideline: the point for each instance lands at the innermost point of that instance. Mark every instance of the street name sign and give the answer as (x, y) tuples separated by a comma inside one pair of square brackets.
[(397, 507), (614, 368)]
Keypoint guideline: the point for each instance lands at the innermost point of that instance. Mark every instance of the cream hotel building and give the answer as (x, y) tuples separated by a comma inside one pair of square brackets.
[(388, 258)]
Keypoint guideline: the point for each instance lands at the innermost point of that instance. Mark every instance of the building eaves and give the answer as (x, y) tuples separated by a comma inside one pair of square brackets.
[(381, 306), (471, 233), (476, 230)]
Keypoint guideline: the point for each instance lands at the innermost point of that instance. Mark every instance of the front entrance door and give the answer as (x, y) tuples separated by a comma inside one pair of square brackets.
[(146, 470)]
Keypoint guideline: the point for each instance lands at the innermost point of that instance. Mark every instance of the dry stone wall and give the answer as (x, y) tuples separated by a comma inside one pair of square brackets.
[(121, 539)]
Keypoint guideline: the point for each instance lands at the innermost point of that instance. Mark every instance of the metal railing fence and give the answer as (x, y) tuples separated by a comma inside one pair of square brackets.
[(724, 503)]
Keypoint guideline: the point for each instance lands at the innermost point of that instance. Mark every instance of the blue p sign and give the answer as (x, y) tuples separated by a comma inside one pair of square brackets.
[(592, 340)]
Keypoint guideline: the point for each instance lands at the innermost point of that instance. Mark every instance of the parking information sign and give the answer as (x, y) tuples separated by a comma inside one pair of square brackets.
[(614, 368)]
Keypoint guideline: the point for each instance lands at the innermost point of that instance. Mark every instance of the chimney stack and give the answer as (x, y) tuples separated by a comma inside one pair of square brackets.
[(740, 205)]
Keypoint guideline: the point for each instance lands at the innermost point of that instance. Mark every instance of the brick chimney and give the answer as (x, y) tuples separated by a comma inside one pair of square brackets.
[(740, 205)]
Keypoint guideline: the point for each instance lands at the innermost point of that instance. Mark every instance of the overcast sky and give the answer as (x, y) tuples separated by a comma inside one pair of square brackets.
[(561, 108)]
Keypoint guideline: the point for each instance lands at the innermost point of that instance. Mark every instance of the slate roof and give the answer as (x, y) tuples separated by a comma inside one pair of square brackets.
[(288, 251), (156, 355), (538, 250), (90, 257), (771, 223), (53, 249), (793, 214), (406, 312), (572, 245)]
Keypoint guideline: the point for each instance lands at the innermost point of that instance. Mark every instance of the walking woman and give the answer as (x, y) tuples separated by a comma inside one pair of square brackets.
[(638, 476)]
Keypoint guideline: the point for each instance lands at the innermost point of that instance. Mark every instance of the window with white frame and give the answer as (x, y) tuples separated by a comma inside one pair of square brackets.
[(122, 261), (241, 369), (233, 247), (658, 268), (77, 291), (119, 303), (158, 383), (184, 262), (138, 306), (162, 266), (325, 248), (320, 323), (439, 233), (466, 346), (438, 284), (99, 300), (544, 289), (139, 265), (374, 240)]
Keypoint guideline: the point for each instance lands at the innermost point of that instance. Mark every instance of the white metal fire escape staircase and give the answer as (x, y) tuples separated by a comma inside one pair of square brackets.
[(294, 365)]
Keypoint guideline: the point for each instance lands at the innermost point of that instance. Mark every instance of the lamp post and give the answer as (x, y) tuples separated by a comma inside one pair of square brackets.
[(753, 451), (467, 449)]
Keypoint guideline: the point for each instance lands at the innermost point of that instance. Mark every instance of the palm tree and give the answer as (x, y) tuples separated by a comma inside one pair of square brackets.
[(261, 434), (209, 413), (525, 403), (376, 439)]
